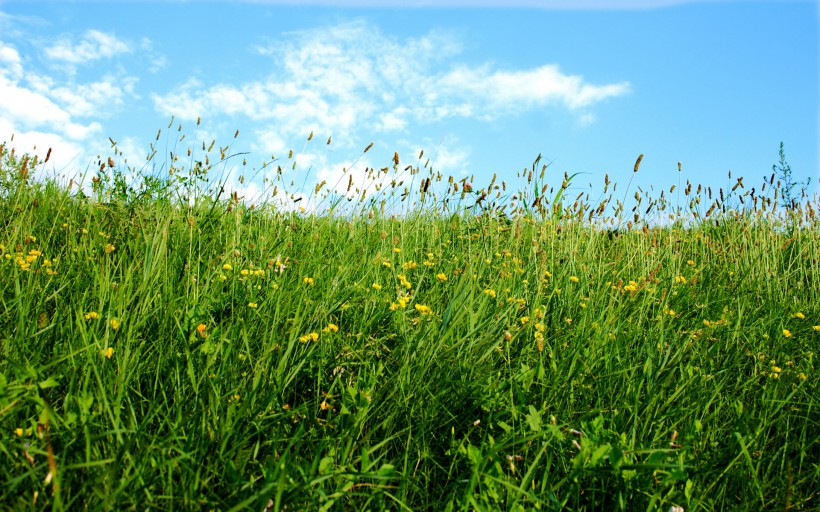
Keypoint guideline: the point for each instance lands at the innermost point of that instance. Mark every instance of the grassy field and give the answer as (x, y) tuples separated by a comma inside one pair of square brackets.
[(165, 347)]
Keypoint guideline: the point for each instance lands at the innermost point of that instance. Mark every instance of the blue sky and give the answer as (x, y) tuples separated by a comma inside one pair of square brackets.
[(480, 86)]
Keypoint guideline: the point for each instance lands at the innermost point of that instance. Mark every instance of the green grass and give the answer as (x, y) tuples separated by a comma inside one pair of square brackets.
[(163, 348)]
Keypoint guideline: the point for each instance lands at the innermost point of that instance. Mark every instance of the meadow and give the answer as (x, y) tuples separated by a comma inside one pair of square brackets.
[(419, 343)]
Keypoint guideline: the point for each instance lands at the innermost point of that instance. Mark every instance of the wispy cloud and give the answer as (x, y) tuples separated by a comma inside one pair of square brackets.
[(350, 77), (93, 45)]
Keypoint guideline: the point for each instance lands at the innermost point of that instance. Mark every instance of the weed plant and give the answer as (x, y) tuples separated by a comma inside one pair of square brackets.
[(167, 347)]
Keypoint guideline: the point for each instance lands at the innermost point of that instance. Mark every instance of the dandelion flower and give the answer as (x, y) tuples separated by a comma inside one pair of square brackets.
[(816, 328), (787, 333), (19, 432)]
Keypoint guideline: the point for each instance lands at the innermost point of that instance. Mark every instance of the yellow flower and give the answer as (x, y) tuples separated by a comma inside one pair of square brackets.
[(802, 376), (93, 315), (331, 328), (109, 248), (227, 267), (404, 281), (253, 305), (691, 263), (799, 315), (396, 250), (311, 336), (19, 432), (680, 279), (441, 277), (107, 352), (308, 281), (200, 329), (787, 333), (574, 279), (816, 328), (424, 310), (489, 292), (524, 320), (377, 286), (115, 323)]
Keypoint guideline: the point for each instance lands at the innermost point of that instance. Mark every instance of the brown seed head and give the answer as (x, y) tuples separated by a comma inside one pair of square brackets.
[(638, 163)]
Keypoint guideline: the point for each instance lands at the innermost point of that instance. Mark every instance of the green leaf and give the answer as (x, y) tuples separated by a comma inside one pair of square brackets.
[(49, 383), (534, 419)]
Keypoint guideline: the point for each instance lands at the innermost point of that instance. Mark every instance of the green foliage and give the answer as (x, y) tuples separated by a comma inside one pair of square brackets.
[(179, 350), (783, 171)]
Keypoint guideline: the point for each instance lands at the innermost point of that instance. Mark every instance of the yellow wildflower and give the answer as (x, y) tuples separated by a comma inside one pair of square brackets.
[(227, 267), (441, 277), (424, 310), (200, 329), (115, 323), (377, 286), (787, 333), (680, 279), (574, 279), (331, 328), (490, 292), (109, 248), (19, 432), (308, 281), (311, 336), (799, 315), (253, 305), (524, 320), (92, 315)]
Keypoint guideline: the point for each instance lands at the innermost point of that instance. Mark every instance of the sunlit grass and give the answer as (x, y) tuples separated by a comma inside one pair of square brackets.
[(416, 343)]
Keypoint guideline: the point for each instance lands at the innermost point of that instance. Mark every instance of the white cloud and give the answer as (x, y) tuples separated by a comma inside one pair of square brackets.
[(10, 63), (349, 77), (93, 45), (39, 109)]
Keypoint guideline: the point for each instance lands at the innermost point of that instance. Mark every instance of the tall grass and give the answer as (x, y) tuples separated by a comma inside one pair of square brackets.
[(165, 347)]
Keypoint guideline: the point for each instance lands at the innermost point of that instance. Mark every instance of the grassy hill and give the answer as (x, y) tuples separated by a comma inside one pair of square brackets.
[(164, 347)]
